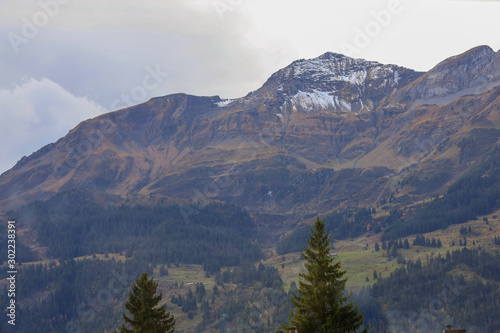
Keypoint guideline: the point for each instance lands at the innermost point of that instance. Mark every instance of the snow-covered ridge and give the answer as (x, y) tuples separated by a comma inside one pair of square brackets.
[(314, 100), (333, 82), (224, 102), (326, 78), (331, 69), (334, 68), (319, 100)]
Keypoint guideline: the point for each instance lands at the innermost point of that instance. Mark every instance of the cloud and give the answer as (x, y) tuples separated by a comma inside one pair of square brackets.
[(36, 113), (101, 50)]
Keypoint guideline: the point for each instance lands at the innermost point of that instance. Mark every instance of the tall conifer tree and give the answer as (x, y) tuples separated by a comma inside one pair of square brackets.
[(321, 304), (142, 305)]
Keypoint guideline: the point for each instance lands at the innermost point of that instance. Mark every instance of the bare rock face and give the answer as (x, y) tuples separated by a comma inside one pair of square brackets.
[(474, 71), (318, 134)]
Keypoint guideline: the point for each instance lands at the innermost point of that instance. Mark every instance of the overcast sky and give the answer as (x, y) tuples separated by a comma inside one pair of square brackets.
[(64, 61)]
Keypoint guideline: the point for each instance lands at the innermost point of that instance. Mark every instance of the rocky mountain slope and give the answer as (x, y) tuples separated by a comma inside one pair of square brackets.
[(319, 134)]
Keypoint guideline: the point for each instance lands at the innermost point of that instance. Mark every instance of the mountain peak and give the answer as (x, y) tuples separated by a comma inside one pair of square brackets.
[(475, 52), (471, 72), (333, 65), (332, 55), (334, 82)]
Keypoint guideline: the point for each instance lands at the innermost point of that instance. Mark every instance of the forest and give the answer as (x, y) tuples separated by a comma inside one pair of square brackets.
[(72, 294), (341, 225), (71, 225), (461, 287), (90, 294), (474, 194)]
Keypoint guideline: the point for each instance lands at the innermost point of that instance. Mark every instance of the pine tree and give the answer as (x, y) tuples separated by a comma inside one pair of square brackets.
[(163, 270), (142, 305), (320, 303)]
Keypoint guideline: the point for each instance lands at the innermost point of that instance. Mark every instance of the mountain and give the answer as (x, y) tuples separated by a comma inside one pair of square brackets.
[(319, 135), (206, 188)]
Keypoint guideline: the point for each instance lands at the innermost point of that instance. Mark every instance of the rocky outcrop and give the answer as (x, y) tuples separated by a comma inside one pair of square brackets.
[(474, 71)]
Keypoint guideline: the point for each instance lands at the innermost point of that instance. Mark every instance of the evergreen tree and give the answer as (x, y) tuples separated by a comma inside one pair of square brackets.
[(321, 304), (142, 305), (216, 291), (163, 270), (394, 251)]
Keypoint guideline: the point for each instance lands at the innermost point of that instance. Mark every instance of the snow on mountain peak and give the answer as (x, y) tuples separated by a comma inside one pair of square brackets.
[(332, 82), (332, 67), (309, 101)]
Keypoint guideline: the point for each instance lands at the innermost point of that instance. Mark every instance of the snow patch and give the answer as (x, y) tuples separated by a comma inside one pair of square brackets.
[(224, 102), (315, 100), (318, 100), (337, 69), (357, 77), (396, 77)]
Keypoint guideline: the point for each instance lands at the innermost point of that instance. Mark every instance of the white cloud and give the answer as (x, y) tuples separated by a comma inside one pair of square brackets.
[(36, 113)]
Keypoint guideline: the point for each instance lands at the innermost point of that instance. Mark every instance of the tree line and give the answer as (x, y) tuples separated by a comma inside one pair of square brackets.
[(476, 193), (71, 296), (426, 295), (218, 235), (344, 224)]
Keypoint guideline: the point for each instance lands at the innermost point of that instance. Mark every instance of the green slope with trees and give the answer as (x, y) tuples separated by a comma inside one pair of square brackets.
[(72, 225)]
